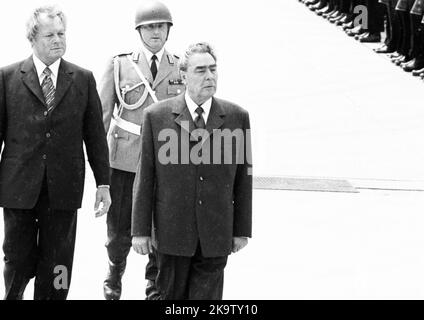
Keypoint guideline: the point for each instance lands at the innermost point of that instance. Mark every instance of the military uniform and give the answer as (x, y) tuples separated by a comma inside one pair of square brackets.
[(124, 97)]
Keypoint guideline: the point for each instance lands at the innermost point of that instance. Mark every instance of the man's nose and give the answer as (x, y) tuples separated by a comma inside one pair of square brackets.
[(209, 74), (56, 38)]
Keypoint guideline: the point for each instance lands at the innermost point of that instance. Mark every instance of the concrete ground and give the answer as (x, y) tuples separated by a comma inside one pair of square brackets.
[(321, 105)]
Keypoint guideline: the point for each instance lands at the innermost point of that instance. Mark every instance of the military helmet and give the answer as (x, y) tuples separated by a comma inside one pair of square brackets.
[(152, 11)]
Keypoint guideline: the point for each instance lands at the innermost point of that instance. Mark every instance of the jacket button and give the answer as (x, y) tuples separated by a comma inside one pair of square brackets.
[(199, 153), (201, 178), (44, 156), (200, 202), (45, 113), (48, 135), (116, 136)]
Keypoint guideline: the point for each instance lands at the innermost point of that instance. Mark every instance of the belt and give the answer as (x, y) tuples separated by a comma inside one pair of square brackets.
[(127, 126)]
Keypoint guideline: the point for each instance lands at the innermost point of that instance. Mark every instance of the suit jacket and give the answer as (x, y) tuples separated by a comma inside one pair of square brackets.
[(37, 143), (124, 146), (188, 203)]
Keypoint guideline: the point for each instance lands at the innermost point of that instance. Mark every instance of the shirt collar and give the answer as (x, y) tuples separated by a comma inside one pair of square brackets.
[(192, 106), (149, 54), (40, 66)]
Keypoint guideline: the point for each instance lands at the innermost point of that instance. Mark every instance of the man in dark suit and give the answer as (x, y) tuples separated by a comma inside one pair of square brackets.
[(192, 191), (48, 109)]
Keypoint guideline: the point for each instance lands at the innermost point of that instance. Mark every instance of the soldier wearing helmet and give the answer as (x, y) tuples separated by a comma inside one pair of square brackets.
[(132, 82)]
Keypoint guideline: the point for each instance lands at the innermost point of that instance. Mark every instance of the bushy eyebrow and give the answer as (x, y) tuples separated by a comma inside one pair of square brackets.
[(200, 68)]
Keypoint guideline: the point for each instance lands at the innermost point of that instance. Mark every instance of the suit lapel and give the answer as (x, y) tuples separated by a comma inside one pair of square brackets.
[(30, 79), (183, 119), (165, 65), (144, 66), (64, 81), (215, 118)]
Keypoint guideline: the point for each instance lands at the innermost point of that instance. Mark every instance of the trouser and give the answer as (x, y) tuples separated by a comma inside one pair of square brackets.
[(119, 223), (118, 220), (417, 35), (192, 278), (393, 28), (344, 5), (403, 8), (39, 242), (375, 16)]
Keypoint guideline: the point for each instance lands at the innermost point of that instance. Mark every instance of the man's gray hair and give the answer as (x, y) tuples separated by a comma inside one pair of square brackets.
[(200, 47), (33, 22)]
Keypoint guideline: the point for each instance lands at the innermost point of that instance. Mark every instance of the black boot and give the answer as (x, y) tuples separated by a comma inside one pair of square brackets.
[(112, 286)]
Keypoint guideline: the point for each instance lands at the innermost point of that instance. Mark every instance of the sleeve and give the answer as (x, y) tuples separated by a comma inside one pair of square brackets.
[(95, 136), (243, 187), (144, 183), (107, 94), (3, 119)]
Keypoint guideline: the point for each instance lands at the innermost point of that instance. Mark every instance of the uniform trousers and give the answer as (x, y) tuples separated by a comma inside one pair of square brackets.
[(119, 224), (190, 278), (39, 242)]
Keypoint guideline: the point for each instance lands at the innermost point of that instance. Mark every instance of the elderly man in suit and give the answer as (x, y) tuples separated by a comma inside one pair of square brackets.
[(193, 192), (132, 82), (48, 109)]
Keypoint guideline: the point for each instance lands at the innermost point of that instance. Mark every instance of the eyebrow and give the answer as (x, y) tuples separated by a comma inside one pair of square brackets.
[(204, 67)]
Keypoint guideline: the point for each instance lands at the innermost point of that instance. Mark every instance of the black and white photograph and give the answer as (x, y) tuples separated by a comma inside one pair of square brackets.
[(212, 150)]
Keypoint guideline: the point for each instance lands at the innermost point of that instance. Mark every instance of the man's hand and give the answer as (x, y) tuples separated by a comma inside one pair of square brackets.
[(103, 201), (142, 245), (239, 243)]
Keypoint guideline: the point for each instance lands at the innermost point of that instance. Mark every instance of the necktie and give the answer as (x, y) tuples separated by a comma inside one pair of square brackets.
[(153, 67), (48, 88), (199, 122)]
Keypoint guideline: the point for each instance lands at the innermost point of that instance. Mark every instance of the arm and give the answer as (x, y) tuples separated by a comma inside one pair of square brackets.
[(243, 193), (107, 94), (143, 191), (96, 147), (3, 120)]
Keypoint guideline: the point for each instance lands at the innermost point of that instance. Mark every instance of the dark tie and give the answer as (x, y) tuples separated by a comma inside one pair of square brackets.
[(199, 122), (48, 88), (153, 67)]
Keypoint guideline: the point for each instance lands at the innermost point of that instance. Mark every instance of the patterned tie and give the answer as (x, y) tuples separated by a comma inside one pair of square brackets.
[(48, 88), (199, 122), (153, 67)]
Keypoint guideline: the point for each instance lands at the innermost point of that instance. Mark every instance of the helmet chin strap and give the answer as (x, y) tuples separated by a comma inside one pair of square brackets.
[(147, 46)]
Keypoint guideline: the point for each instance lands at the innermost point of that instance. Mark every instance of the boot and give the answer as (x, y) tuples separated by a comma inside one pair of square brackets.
[(112, 286)]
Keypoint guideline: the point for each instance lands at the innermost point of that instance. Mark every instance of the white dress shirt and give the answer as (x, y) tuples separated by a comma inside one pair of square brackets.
[(40, 66), (149, 56), (192, 106)]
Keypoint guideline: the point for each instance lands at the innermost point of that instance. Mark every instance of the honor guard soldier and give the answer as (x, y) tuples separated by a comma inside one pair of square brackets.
[(132, 82)]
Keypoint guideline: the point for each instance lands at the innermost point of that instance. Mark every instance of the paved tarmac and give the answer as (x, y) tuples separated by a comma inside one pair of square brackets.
[(325, 106)]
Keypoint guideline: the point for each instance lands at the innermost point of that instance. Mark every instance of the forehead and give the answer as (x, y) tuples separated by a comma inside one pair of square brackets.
[(201, 60), (49, 23)]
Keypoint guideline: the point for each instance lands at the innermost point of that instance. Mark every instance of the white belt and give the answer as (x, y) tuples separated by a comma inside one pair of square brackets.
[(127, 126)]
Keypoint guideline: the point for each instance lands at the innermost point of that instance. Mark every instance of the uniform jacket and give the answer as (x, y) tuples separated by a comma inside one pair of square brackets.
[(210, 203), (38, 143), (124, 146)]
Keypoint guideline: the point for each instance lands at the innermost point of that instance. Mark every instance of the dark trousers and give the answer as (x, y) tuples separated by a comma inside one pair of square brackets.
[(39, 243), (119, 224), (417, 43), (375, 16), (192, 278), (393, 29), (119, 216), (405, 23)]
